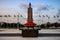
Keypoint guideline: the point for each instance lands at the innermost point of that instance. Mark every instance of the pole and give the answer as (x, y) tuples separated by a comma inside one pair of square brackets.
[(18, 21)]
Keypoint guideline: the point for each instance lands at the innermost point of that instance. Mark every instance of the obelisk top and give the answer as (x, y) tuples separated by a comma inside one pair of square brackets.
[(29, 4)]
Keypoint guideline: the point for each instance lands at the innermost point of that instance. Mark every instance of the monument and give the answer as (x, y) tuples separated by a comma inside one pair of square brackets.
[(30, 24)]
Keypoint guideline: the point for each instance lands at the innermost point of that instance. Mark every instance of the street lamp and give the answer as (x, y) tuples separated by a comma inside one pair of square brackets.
[(18, 21)]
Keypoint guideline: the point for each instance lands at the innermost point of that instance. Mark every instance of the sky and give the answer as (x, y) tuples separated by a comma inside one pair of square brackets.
[(40, 7)]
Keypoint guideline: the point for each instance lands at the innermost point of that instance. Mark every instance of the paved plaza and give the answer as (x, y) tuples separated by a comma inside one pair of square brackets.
[(40, 31), (46, 34), (10, 31), (29, 38)]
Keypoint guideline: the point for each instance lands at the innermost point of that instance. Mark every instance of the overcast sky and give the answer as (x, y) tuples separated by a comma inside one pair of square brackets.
[(40, 7)]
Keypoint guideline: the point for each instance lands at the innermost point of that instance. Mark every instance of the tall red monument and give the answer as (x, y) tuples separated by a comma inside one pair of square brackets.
[(30, 22)]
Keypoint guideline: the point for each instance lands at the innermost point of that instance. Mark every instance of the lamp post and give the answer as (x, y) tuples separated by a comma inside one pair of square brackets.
[(48, 18), (18, 21), (42, 18), (9, 20), (5, 16), (55, 18)]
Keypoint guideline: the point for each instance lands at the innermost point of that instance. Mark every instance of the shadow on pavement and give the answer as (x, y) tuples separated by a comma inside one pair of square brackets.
[(39, 35), (48, 35), (10, 34)]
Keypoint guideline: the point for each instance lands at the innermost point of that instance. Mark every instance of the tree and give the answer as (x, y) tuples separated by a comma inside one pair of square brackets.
[(9, 16), (14, 15), (21, 16), (5, 16), (54, 16), (48, 24), (57, 16), (39, 16), (0, 15), (43, 15)]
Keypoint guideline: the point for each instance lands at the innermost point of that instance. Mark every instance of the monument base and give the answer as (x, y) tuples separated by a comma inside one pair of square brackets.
[(30, 33)]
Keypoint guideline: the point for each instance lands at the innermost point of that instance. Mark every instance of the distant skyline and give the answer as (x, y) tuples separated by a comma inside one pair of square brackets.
[(40, 7)]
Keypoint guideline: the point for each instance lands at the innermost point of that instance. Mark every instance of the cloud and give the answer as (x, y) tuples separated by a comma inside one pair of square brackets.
[(23, 5), (42, 7), (58, 13)]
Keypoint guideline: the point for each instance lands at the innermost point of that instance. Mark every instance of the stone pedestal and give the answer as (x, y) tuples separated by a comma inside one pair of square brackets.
[(29, 33)]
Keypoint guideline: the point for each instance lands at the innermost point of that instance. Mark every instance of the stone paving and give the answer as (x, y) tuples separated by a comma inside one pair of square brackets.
[(10, 31), (40, 31), (29, 38)]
